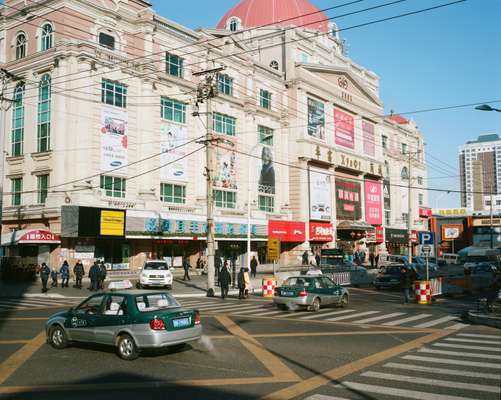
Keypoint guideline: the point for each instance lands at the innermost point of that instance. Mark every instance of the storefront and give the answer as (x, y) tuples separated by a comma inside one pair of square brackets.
[(32, 246), (292, 235), (397, 241), (321, 233)]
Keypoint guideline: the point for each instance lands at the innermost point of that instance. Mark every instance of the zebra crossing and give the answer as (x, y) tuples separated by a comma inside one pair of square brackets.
[(449, 375), (388, 318), (28, 303)]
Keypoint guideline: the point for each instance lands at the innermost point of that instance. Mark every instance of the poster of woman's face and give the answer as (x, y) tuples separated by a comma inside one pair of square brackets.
[(267, 176)]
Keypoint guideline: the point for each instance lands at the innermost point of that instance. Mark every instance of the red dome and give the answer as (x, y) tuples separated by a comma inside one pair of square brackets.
[(253, 13)]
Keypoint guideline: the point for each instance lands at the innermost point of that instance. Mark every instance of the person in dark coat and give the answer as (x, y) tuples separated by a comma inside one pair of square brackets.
[(376, 260), (305, 257), (253, 265), (218, 265), (224, 281), (65, 274), (186, 267), (317, 259), (78, 271), (241, 284), (94, 276), (102, 275), (44, 276), (372, 259), (407, 278), (53, 276)]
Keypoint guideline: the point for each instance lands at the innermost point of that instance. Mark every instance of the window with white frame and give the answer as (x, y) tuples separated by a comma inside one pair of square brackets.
[(225, 84), (420, 180), (266, 203), (404, 174), (46, 37), (173, 110), (170, 193), (224, 124), (113, 93), (174, 65), (404, 148), (21, 44), (387, 218), (421, 199), (265, 99), (234, 24), (113, 186), (43, 128), (17, 134), (42, 188), (384, 141), (107, 41), (16, 191), (225, 199), (405, 218), (265, 135)]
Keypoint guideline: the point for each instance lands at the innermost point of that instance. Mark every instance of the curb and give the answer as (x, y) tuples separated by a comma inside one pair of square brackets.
[(483, 319)]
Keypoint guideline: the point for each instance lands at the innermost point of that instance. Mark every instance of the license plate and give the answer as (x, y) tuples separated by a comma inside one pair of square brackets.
[(181, 322), (288, 294)]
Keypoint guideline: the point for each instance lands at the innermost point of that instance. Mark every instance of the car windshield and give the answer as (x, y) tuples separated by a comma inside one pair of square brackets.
[(156, 266), (155, 301), (297, 282), (392, 270)]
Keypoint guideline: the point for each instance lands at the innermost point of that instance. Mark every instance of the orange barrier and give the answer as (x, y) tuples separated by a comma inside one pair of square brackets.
[(269, 285), (423, 292)]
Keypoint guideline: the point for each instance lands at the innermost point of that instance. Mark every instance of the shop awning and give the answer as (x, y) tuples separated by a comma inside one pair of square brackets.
[(30, 236), (354, 226)]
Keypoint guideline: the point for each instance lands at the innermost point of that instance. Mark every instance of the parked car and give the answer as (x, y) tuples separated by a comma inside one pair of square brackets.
[(155, 273), (130, 321), (450, 258), (311, 292), (481, 268)]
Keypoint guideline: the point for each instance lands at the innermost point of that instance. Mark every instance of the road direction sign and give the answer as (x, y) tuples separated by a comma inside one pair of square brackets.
[(273, 249), (427, 238)]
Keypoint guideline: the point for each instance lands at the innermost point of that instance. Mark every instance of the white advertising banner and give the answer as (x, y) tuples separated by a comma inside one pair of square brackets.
[(320, 195), (114, 139), (172, 136)]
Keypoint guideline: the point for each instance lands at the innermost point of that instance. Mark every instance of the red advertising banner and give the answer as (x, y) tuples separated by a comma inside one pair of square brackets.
[(287, 231), (348, 200), (369, 138), (321, 232), (373, 202), (344, 129), (379, 234), (39, 236), (425, 213)]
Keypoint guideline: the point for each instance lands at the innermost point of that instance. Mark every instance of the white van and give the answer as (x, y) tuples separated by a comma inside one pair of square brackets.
[(450, 258)]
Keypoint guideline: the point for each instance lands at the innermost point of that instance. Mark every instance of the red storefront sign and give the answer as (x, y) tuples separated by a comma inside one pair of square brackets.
[(321, 232), (425, 212), (287, 231), (39, 236), (344, 129), (373, 202), (379, 234), (414, 236)]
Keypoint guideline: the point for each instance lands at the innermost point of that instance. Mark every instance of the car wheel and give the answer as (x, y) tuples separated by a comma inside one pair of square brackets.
[(344, 301), (282, 307), (138, 286), (127, 348), (57, 337), (315, 306)]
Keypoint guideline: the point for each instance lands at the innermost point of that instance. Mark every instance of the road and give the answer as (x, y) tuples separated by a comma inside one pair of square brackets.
[(376, 348)]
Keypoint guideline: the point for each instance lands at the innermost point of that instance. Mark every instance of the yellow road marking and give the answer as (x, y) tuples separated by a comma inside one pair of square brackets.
[(12, 364), (335, 374), (276, 367)]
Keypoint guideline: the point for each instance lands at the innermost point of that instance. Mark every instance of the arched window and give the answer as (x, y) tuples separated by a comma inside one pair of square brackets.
[(233, 25), (43, 128), (46, 37), (404, 174), (21, 46), (17, 134)]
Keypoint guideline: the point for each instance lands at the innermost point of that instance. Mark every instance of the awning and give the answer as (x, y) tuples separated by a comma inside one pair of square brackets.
[(30, 236), (354, 226)]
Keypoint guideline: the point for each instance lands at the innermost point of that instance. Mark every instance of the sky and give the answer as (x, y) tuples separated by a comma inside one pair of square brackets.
[(445, 57)]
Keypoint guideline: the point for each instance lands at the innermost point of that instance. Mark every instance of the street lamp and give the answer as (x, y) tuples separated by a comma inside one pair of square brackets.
[(486, 107)]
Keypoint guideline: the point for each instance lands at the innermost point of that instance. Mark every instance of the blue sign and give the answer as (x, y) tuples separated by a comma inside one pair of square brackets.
[(426, 238)]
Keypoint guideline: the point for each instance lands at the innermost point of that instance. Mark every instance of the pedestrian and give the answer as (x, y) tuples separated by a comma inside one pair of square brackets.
[(44, 276), (78, 271), (94, 276), (241, 283), (53, 276), (218, 265), (253, 265), (65, 274), (199, 262), (102, 275), (376, 260), (247, 283), (305, 257), (317, 259), (224, 281), (186, 267), (372, 259), (407, 278)]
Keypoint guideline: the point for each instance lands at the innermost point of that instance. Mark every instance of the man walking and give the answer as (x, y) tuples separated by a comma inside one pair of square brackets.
[(65, 274), (317, 259), (78, 271), (53, 276), (305, 257), (241, 283), (253, 265), (102, 275), (186, 267), (406, 281), (224, 281), (44, 276), (94, 276)]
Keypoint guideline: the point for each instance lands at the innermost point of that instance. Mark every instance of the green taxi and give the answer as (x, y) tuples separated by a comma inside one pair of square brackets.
[(311, 292), (130, 321)]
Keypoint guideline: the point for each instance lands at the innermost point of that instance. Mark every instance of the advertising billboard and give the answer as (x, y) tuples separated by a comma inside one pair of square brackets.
[(348, 197), (112, 223), (321, 232), (316, 118), (451, 231), (320, 195), (373, 203), (287, 231), (386, 195), (369, 138), (174, 168), (113, 139), (266, 169), (226, 167), (344, 129)]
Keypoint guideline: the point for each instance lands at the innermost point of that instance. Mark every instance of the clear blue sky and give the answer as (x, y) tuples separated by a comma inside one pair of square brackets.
[(444, 57)]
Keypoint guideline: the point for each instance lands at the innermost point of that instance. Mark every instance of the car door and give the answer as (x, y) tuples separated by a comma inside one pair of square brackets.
[(84, 318), (332, 289), (113, 316)]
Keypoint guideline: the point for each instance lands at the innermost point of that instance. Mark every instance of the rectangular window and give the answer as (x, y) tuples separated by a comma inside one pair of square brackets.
[(266, 203), (420, 199), (387, 218), (16, 189), (265, 135), (113, 93), (404, 148), (265, 99), (173, 110), (405, 217), (225, 84), (43, 126), (487, 202), (384, 142), (174, 65), (498, 202), (170, 193), (17, 134), (224, 124), (43, 188), (225, 199), (107, 41), (420, 180), (113, 186)]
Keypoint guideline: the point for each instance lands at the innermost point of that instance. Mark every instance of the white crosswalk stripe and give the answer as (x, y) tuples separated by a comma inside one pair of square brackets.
[(378, 318), (442, 371), (322, 397), (234, 309), (220, 307), (474, 335), (254, 310), (408, 319), (467, 347), (326, 314), (271, 313), (352, 316), (436, 322), (459, 354), (456, 327), (439, 360), (8, 304), (473, 341)]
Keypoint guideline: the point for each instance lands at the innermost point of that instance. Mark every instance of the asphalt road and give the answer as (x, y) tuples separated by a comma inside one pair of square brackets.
[(376, 348)]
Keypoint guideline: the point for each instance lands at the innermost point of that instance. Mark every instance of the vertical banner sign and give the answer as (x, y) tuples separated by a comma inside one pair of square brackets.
[(386, 195), (344, 129), (320, 195), (266, 170), (316, 118), (369, 138), (226, 167), (113, 139), (348, 200), (171, 136), (373, 206)]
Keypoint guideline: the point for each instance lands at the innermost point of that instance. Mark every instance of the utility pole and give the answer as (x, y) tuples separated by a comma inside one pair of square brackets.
[(409, 201), (206, 91), (491, 217)]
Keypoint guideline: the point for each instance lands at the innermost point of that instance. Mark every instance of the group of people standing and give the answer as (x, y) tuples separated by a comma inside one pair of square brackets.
[(97, 275), (243, 282)]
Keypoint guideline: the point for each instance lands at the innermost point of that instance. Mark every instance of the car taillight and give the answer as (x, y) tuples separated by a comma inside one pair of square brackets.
[(302, 293), (198, 320), (157, 324)]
